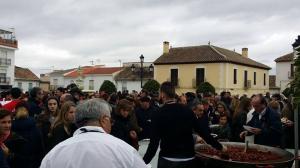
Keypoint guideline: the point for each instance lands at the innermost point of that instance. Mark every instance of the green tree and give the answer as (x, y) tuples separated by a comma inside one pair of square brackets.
[(151, 85), (287, 91), (108, 87), (295, 84), (206, 88)]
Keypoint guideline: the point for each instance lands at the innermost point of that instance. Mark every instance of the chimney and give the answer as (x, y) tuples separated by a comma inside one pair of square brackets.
[(166, 47), (245, 52)]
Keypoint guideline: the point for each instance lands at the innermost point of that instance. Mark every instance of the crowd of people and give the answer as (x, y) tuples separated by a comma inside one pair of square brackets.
[(34, 123)]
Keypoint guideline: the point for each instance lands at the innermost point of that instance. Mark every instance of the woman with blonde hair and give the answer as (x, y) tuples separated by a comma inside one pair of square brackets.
[(63, 126)]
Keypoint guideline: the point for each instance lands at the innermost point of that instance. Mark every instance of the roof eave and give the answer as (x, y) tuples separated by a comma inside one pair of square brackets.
[(176, 63)]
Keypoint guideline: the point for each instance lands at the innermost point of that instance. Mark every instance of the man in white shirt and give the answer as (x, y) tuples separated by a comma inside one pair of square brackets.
[(91, 145)]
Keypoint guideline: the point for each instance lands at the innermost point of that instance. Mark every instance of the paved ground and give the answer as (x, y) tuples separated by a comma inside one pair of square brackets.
[(142, 150)]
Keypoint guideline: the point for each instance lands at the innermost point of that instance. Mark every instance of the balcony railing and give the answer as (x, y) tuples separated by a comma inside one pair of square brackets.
[(4, 61), (9, 43), (4, 80)]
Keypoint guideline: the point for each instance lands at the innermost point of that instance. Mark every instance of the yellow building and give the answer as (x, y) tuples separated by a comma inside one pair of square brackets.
[(226, 70)]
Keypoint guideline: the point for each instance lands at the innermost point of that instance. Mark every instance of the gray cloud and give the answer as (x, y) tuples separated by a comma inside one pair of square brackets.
[(69, 33)]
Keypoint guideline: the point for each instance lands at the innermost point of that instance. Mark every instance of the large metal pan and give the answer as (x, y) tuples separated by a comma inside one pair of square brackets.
[(285, 161)]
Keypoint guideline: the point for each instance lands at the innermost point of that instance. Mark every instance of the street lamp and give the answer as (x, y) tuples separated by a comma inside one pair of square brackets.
[(151, 69), (142, 70)]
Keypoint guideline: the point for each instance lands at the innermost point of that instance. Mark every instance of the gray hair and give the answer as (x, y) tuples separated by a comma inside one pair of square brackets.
[(91, 110)]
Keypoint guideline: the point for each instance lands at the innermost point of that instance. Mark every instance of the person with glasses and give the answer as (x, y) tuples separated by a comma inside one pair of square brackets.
[(91, 145)]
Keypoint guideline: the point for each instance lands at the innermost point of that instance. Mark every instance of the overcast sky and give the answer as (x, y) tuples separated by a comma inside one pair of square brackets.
[(63, 34)]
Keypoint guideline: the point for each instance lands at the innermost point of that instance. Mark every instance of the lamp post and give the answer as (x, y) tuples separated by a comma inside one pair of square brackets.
[(151, 68), (142, 70)]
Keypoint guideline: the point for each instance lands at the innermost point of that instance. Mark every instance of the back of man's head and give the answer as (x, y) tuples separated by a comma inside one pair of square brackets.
[(34, 92), (168, 89), (15, 93), (90, 111)]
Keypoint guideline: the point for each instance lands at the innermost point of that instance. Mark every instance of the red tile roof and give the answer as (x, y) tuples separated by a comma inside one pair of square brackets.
[(206, 54), (25, 74), (93, 70), (285, 58)]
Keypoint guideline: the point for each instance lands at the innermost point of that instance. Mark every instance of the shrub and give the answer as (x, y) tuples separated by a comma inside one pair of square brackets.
[(151, 86), (206, 88), (108, 87)]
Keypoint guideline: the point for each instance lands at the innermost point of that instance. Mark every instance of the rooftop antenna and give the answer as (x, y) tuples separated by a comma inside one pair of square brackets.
[(208, 42), (92, 62), (120, 61)]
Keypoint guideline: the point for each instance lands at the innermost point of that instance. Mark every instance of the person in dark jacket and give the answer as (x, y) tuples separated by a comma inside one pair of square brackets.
[(143, 115), (46, 119), (35, 101), (224, 131), (5, 131), (32, 150), (172, 128), (267, 125), (63, 127), (3, 162), (240, 118), (122, 127)]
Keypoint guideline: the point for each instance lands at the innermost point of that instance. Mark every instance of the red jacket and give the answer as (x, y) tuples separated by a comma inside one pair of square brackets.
[(11, 105)]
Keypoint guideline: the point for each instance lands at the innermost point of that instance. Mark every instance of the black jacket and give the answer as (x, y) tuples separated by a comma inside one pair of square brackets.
[(34, 107), (3, 162), (26, 144), (144, 121), (59, 134), (172, 127), (121, 128), (237, 126)]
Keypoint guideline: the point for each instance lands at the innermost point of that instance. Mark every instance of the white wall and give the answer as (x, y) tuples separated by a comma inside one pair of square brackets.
[(60, 80), (130, 85), (283, 70), (9, 70), (98, 80), (25, 84)]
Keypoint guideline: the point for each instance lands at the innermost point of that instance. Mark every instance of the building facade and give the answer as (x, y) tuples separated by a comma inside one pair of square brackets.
[(45, 82), (25, 79), (88, 78), (284, 70), (8, 46), (226, 70), (130, 79)]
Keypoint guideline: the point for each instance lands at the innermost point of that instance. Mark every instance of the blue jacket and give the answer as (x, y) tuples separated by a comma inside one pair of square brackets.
[(271, 129)]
